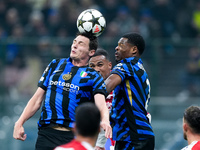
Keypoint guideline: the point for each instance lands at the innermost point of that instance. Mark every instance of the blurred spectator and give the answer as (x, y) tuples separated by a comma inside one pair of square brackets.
[(24, 10), (2, 12), (196, 18), (45, 51), (53, 22), (71, 26), (2, 56), (13, 48), (25, 85), (12, 73), (40, 19), (134, 8), (109, 9), (12, 19), (62, 32), (17, 77), (111, 30), (193, 71), (46, 10), (37, 4), (183, 11), (86, 4), (49, 18), (124, 20), (2, 33), (36, 26), (64, 9), (17, 31), (163, 13), (144, 24)]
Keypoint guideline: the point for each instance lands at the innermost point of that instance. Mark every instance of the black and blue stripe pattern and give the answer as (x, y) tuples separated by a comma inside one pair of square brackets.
[(66, 87), (131, 99)]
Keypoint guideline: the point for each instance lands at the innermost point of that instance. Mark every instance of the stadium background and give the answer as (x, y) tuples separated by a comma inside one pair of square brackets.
[(33, 32)]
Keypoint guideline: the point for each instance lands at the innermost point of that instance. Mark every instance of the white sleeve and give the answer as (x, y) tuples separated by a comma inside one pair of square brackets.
[(101, 140)]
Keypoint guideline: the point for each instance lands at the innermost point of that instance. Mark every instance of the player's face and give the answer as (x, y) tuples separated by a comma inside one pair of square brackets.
[(101, 64), (80, 48), (123, 50)]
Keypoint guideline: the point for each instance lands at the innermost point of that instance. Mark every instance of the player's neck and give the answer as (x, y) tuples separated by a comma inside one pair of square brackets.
[(80, 63), (192, 138)]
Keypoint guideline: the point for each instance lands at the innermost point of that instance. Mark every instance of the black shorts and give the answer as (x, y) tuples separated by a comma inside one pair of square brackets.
[(147, 144), (49, 138)]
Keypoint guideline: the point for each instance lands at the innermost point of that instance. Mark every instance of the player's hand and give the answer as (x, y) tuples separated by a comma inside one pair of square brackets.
[(18, 132), (99, 148), (107, 128)]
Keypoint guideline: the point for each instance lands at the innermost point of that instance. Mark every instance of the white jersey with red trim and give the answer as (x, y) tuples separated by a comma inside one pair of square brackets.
[(75, 145), (193, 146), (109, 100)]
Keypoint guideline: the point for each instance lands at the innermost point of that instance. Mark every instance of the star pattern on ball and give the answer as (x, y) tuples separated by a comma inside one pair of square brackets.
[(91, 21), (81, 21), (94, 20)]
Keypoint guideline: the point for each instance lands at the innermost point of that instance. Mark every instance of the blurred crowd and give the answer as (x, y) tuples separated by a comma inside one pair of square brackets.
[(157, 18), (42, 19)]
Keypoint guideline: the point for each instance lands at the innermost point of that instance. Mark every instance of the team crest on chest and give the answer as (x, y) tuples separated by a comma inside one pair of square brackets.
[(67, 76)]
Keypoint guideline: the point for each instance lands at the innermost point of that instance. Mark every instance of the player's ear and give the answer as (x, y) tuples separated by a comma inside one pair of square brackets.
[(185, 127), (110, 65), (135, 51), (91, 52)]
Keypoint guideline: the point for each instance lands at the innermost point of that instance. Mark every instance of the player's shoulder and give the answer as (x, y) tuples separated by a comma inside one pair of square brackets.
[(57, 60), (196, 146), (91, 70), (133, 60), (62, 148), (69, 146), (119, 67), (126, 62)]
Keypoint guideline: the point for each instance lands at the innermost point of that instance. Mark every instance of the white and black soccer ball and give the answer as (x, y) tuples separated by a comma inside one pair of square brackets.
[(91, 21)]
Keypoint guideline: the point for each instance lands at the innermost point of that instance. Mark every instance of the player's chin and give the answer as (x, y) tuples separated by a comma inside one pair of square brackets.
[(72, 55), (117, 58)]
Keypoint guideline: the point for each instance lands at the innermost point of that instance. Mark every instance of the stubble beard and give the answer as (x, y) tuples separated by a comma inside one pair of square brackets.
[(185, 136)]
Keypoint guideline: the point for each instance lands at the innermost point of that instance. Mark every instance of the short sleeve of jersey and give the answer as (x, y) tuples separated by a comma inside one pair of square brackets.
[(43, 82), (119, 69)]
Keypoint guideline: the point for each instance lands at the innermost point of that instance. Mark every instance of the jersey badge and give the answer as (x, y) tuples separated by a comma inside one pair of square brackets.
[(67, 76), (83, 74)]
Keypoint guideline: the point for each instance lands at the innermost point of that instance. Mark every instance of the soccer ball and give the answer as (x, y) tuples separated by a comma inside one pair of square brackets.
[(91, 21)]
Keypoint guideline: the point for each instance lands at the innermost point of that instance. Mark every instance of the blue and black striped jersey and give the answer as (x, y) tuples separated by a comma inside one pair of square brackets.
[(129, 108), (66, 87)]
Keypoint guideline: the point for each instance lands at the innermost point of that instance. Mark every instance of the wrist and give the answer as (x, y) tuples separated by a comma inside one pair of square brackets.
[(18, 123)]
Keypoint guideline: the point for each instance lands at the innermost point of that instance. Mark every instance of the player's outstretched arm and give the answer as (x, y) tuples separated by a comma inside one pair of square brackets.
[(112, 81), (31, 108), (105, 123)]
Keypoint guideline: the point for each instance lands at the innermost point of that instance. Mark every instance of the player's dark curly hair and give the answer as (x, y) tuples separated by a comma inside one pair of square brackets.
[(136, 40), (93, 45), (192, 117)]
